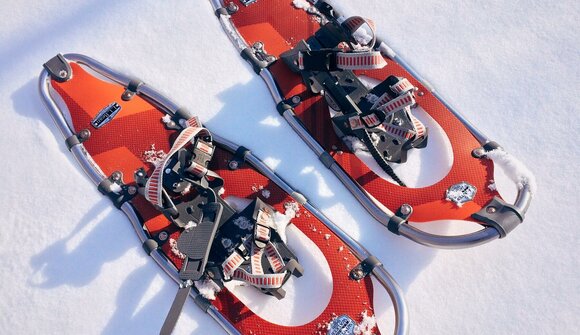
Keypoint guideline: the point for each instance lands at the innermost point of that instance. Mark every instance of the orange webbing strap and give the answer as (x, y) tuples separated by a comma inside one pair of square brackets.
[(259, 246)]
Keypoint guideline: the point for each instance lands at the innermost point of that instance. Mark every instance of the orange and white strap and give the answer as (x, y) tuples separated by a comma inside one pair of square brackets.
[(257, 277), (193, 122), (354, 22), (397, 103), (271, 280), (232, 263), (366, 60), (274, 258), (367, 121), (418, 126), (154, 186), (262, 233), (383, 99), (256, 260), (399, 132), (402, 86)]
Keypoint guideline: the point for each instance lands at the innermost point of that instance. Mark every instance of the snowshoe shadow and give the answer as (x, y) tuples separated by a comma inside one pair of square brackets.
[(132, 316), (28, 103), (46, 34), (248, 117), (77, 263)]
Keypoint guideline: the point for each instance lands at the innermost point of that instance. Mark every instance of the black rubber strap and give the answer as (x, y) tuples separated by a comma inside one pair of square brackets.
[(72, 141), (150, 245), (176, 308), (257, 64), (394, 223), (500, 215), (283, 107), (58, 68), (364, 268)]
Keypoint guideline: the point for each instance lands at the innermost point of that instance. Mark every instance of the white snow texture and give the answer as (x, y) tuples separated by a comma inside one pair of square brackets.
[(71, 264)]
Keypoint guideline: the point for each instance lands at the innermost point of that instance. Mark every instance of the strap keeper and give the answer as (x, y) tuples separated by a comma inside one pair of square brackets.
[(58, 68), (132, 89), (364, 268), (326, 159), (282, 107), (400, 217), (150, 245), (78, 138), (239, 158)]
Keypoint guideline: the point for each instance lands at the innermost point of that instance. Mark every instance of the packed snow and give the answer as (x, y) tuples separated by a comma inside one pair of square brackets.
[(72, 263), (513, 168)]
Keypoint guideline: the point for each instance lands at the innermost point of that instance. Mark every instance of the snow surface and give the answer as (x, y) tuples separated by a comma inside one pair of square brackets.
[(72, 264)]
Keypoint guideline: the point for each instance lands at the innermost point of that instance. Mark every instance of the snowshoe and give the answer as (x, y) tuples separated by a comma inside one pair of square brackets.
[(210, 213), (404, 153)]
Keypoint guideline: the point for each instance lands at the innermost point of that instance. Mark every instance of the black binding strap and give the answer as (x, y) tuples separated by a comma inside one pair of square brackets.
[(176, 308), (499, 215), (380, 159)]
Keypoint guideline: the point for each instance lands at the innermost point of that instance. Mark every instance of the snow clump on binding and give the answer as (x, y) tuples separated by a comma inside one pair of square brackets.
[(513, 168), (366, 326), (301, 4)]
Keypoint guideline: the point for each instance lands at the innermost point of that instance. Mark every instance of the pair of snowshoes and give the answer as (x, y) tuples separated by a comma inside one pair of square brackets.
[(215, 217)]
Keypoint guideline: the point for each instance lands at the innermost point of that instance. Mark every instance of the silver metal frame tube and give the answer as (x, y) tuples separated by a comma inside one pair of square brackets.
[(379, 212), (96, 175)]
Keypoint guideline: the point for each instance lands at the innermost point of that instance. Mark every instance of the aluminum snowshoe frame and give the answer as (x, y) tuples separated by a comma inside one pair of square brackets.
[(497, 225), (368, 263)]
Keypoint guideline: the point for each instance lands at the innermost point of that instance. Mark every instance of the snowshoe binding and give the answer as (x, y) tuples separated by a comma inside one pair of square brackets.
[(209, 212), (405, 154)]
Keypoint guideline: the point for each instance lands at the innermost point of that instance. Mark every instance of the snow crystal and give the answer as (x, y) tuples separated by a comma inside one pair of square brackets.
[(190, 224), (283, 220), (354, 144), (207, 288), (366, 326), (257, 188), (186, 190), (175, 250), (326, 236), (266, 194), (513, 168), (292, 208), (154, 156), (301, 4), (116, 188), (166, 119)]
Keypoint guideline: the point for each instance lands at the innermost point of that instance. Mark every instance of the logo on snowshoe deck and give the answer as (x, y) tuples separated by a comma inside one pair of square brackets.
[(342, 325), (461, 193), (105, 115)]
